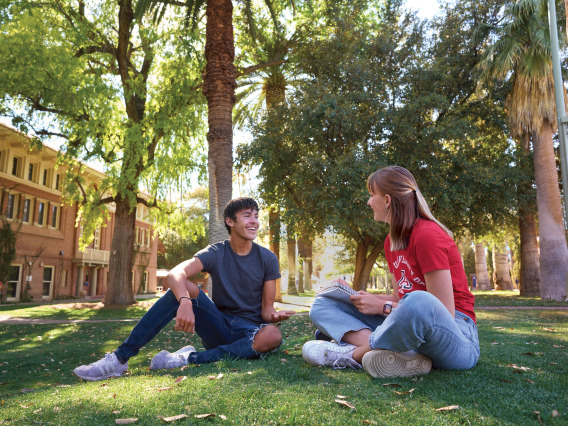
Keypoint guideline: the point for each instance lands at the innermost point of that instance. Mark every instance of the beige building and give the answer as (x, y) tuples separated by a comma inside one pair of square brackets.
[(49, 263)]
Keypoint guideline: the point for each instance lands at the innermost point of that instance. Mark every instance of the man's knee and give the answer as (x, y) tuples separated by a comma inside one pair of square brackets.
[(267, 339)]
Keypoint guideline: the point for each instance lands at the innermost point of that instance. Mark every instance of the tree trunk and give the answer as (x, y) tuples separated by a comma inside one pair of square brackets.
[(291, 245), (530, 265), (219, 83), (501, 275), (274, 235), (305, 253), (481, 268), (119, 286), (364, 261), (301, 276), (552, 241), (529, 284)]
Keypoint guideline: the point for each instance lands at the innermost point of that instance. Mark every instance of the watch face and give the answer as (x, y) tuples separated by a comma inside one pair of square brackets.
[(387, 308)]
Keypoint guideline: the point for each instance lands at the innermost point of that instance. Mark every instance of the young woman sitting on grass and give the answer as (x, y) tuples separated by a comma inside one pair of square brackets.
[(429, 322)]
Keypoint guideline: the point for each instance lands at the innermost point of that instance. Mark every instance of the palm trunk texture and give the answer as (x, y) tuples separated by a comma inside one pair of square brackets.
[(481, 273), (219, 85), (552, 236), (291, 248)]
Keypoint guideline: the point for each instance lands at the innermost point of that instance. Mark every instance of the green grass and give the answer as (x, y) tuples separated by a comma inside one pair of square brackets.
[(36, 384), (512, 298)]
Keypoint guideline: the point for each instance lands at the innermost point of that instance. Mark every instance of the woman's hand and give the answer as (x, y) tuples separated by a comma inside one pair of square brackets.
[(185, 318), (367, 303)]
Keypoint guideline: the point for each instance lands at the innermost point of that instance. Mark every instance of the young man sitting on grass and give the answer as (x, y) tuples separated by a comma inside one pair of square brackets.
[(235, 324)]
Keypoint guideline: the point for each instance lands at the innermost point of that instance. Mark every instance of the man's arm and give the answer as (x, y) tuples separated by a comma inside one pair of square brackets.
[(182, 287), (269, 314)]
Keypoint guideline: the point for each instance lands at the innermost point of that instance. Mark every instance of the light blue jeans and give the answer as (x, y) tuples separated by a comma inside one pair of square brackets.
[(420, 322)]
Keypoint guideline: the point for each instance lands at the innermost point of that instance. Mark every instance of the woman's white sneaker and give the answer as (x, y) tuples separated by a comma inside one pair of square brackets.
[(329, 354), (383, 363)]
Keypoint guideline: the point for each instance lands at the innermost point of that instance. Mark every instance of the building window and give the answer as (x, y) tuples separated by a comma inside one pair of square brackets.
[(55, 216), (27, 209), (41, 214), (16, 166), (12, 206), (145, 284), (97, 239), (47, 282), (14, 277), (44, 181), (57, 178)]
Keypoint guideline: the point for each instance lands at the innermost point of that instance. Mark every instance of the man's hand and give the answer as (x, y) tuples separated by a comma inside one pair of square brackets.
[(278, 316), (185, 319), (367, 303)]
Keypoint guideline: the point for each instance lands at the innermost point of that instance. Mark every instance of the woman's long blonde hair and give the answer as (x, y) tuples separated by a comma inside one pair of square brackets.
[(407, 203)]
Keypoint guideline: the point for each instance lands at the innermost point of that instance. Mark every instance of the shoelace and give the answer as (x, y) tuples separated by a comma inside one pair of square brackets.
[(342, 363)]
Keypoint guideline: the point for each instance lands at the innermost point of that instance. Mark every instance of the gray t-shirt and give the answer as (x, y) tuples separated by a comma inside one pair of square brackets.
[(238, 281)]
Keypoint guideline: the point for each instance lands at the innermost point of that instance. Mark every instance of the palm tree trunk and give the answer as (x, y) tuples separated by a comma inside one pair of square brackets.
[(481, 268), (529, 284), (219, 85), (291, 245), (552, 236), (274, 236), (501, 275)]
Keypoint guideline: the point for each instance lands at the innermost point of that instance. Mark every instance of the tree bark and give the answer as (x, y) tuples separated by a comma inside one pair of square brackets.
[(291, 245), (481, 273), (501, 275), (219, 83), (304, 252), (552, 236), (529, 284), (119, 288), (274, 235), (530, 265), (364, 261)]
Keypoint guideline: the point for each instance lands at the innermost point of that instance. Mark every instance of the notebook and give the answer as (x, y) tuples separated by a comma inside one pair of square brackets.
[(338, 290)]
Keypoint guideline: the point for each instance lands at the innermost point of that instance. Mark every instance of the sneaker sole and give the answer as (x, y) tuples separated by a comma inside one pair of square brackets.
[(96, 379), (382, 363)]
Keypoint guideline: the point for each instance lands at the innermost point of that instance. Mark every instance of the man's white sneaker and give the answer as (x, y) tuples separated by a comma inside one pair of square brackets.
[(383, 363), (167, 360), (329, 354), (104, 368)]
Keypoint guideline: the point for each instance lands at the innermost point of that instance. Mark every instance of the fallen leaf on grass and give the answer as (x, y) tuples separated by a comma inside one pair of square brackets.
[(518, 368), (165, 389), (125, 421), (174, 418), (103, 384), (557, 346), (115, 412), (37, 411), (340, 396), (345, 403), (222, 417), (499, 328), (530, 381), (505, 381), (549, 329), (180, 379), (283, 360), (405, 392), (448, 408), (205, 416), (27, 406), (555, 413), (553, 363), (392, 385)]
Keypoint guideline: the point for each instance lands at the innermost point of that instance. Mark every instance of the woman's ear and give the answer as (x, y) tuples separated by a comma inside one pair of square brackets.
[(388, 200)]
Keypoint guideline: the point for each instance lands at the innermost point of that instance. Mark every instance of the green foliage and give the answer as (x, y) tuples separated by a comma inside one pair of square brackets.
[(140, 113)]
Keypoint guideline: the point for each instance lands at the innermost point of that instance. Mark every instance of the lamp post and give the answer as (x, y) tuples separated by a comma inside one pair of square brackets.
[(559, 96)]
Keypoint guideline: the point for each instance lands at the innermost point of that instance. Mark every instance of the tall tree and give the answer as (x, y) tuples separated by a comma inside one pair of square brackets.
[(521, 53), (115, 90)]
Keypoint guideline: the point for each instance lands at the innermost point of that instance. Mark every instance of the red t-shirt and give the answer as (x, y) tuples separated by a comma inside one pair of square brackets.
[(430, 248)]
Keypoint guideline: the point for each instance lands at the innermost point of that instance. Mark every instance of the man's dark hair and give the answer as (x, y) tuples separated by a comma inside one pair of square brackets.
[(236, 205)]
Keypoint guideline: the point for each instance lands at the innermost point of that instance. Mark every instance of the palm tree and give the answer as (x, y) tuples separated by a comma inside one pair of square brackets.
[(219, 84), (521, 52)]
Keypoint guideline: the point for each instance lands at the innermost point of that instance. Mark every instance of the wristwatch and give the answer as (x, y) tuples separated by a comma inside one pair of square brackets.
[(387, 308)]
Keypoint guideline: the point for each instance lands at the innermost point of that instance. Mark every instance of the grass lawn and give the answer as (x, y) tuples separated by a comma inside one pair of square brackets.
[(523, 370)]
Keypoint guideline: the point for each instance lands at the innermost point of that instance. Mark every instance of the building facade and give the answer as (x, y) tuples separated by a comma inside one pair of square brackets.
[(49, 263)]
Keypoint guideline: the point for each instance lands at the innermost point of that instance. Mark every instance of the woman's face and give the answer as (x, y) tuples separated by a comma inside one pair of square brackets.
[(380, 204)]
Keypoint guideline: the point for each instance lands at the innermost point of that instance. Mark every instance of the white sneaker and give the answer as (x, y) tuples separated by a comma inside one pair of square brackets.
[(104, 368), (329, 354), (383, 363), (167, 360)]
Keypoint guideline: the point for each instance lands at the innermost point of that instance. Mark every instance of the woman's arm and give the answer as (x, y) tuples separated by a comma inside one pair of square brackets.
[(439, 283)]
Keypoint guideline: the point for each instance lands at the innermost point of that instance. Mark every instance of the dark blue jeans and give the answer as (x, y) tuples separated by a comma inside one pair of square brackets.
[(222, 335)]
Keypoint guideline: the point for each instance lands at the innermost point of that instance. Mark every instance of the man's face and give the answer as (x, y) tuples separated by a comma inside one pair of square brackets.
[(246, 224)]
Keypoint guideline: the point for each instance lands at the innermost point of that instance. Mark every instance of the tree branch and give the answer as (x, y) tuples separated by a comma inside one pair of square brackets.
[(256, 67)]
